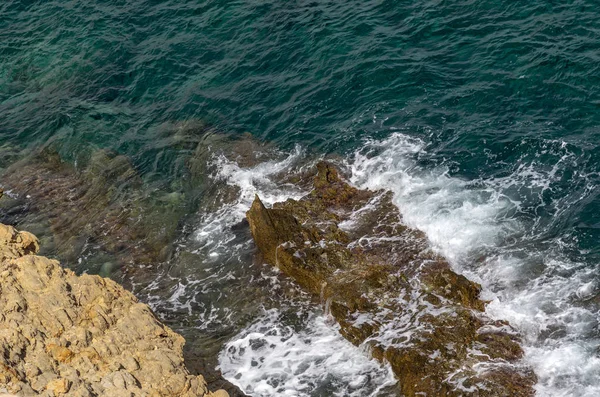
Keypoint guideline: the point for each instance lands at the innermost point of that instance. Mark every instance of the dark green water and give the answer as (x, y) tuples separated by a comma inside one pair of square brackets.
[(482, 116)]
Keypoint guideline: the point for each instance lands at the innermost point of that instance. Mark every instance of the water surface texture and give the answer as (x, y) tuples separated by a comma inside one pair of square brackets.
[(481, 116)]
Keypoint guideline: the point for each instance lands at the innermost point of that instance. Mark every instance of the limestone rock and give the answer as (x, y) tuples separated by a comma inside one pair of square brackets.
[(14, 244), (386, 288), (62, 334)]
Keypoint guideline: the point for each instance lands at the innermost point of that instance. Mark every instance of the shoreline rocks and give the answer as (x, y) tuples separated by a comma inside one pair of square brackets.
[(388, 291), (102, 214), (62, 334)]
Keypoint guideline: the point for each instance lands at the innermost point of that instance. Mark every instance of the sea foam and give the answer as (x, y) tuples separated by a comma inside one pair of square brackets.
[(270, 358), (475, 226)]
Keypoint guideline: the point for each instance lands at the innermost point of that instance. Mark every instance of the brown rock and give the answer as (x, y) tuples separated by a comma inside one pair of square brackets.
[(386, 288), (61, 334)]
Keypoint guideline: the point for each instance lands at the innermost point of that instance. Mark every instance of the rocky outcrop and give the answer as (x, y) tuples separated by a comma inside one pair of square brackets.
[(100, 213), (386, 288), (62, 334)]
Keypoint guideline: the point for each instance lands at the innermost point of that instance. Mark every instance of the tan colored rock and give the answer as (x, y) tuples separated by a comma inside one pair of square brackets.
[(218, 393), (59, 386), (81, 336), (14, 244)]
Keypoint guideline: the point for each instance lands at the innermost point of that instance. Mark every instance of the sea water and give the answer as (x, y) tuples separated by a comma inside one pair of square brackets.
[(481, 117)]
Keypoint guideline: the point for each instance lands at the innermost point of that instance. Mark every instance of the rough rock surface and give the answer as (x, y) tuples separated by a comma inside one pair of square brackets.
[(386, 288), (62, 334)]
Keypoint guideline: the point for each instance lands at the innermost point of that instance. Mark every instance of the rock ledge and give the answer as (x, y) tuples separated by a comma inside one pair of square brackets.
[(62, 334)]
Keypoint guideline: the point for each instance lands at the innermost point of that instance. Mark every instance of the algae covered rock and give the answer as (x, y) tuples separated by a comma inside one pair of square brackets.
[(387, 290), (101, 206), (62, 334)]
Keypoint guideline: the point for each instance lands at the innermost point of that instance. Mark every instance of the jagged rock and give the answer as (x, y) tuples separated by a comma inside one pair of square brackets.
[(15, 244), (62, 334), (386, 288)]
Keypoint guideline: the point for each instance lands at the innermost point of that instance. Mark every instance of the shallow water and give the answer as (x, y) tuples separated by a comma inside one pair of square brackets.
[(481, 117)]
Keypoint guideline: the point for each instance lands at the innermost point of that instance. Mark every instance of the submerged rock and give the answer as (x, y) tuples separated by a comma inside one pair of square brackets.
[(100, 207), (387, 290), (100, 214), (62, 334)]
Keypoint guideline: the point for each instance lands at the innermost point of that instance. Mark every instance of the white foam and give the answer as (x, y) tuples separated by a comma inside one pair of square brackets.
[(10, 193), (455, 217), (270, 358), (535, 288), (214, 230)]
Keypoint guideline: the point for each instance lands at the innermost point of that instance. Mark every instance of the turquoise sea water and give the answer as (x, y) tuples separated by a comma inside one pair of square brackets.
[(482, 116)]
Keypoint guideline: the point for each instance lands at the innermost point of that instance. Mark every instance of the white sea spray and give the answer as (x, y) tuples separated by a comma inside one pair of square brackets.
[(270, 358), (473, 224)]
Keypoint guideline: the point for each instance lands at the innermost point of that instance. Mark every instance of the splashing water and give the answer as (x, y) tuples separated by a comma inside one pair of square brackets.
[(270, 358), (482, 228), (213, 231)]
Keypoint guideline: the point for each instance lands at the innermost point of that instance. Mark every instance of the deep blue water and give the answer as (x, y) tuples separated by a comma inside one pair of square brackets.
[(501, 100)]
